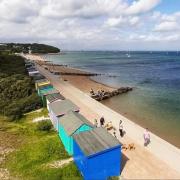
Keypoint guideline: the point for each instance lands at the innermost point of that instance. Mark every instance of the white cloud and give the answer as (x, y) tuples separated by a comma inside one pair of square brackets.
[(115, 21), (142, 6), (134, 20), (167, 26), (17, 10), (81, 8), (83, 24)]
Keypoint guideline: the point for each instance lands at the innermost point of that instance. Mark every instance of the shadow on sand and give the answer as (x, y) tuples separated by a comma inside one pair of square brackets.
[(124, 161)]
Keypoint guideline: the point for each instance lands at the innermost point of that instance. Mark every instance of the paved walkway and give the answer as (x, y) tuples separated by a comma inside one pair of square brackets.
[(159, 160)]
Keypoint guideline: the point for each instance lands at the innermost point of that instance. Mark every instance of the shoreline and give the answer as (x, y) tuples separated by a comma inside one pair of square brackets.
[(160, 160), (88, 83)]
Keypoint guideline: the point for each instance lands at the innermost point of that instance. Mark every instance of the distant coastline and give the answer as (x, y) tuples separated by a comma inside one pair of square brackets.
[(89, 83)]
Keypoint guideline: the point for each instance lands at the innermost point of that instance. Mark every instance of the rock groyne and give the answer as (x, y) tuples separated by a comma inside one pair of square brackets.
[(102, 95)]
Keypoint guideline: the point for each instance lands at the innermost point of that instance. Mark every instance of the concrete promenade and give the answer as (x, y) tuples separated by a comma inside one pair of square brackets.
[(160, 160)]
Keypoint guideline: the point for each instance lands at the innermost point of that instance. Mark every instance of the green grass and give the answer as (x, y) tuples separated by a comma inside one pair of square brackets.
[(34, 150)]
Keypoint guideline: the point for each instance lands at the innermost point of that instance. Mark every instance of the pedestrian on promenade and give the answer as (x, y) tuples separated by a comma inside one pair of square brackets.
[(146, 136), (102, 121), (121, 129), (114, 133)]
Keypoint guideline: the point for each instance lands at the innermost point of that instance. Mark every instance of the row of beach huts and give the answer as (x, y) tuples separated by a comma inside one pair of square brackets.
[(96, 153)]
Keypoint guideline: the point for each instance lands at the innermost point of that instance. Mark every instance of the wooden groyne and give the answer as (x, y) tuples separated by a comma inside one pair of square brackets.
[(60, 69), (79, 74), (102, 95)]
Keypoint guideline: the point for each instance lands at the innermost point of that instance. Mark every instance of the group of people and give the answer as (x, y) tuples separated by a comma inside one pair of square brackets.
[(102, 123), (146, 134)]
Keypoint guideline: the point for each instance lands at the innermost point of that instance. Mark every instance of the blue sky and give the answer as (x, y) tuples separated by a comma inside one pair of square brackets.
[(169, 6), (93, 24)]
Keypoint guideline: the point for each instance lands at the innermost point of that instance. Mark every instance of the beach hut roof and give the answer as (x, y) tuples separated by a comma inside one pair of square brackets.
[(44, 83), (73, 121), (51, 91), (95, 141), (38, 77), (62, 107), (54, 96), (32, 70), (41, 80)]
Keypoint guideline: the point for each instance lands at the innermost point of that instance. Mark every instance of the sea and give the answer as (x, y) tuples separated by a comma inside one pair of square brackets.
[(155, 77)]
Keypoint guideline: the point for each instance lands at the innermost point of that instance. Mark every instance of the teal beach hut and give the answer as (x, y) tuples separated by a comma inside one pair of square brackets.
[(44, 89), (70, 124), (45, 93)]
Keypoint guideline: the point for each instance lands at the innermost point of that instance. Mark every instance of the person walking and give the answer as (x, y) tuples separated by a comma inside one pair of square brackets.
[(114, 133), (121, 128), (102, 121), (146, 136)]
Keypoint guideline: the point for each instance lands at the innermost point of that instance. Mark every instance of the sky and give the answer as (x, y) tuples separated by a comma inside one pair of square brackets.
[(93, 24)]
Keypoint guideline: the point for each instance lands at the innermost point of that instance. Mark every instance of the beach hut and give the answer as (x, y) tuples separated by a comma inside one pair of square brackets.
[(33, 72), (53, 97), (70, 124), (41, 83), (97, 154), (38, 81), (44, 91), (38, 77), (60, 108)]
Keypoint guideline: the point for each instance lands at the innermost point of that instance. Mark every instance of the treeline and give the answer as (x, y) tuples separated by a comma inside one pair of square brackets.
[(17, 91), (35, 48)]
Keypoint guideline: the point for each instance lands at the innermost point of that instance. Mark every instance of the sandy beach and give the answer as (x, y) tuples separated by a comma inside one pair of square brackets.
[(87, 83), (160, 160)]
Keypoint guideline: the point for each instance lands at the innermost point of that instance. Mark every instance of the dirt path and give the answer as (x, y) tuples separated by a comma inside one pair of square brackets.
[(60, 163)]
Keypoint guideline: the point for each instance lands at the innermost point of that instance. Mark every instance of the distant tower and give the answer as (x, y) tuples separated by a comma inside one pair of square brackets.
[(30, 51)]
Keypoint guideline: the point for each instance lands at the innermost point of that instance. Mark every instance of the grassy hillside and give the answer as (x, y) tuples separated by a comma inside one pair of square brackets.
[(35, 48), (29, 151), (17, 91)]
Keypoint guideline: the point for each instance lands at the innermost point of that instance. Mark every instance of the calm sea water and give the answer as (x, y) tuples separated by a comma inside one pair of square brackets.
[(155, 76)]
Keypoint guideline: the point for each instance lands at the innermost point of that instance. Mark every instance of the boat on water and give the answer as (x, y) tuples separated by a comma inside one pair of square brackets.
[(128, 54)]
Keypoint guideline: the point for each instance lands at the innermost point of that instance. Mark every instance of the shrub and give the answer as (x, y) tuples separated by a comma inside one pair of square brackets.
[(44, 125), (17, 91)]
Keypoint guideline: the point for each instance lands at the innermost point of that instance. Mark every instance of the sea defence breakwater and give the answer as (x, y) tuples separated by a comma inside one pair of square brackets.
[(154, 161), (60, 69), (65, 72), (101, 95)]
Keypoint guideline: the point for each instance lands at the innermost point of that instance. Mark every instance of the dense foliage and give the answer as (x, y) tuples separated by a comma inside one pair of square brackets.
[(17, 92), (45, 125), (35, 48)]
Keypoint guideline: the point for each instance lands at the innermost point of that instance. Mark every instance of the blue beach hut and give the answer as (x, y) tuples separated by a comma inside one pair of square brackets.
[(70, 124), (97, 154), (59, 108)]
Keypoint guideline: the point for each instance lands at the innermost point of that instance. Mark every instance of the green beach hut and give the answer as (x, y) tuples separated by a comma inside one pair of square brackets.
[(70, 124), (45, 93)]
